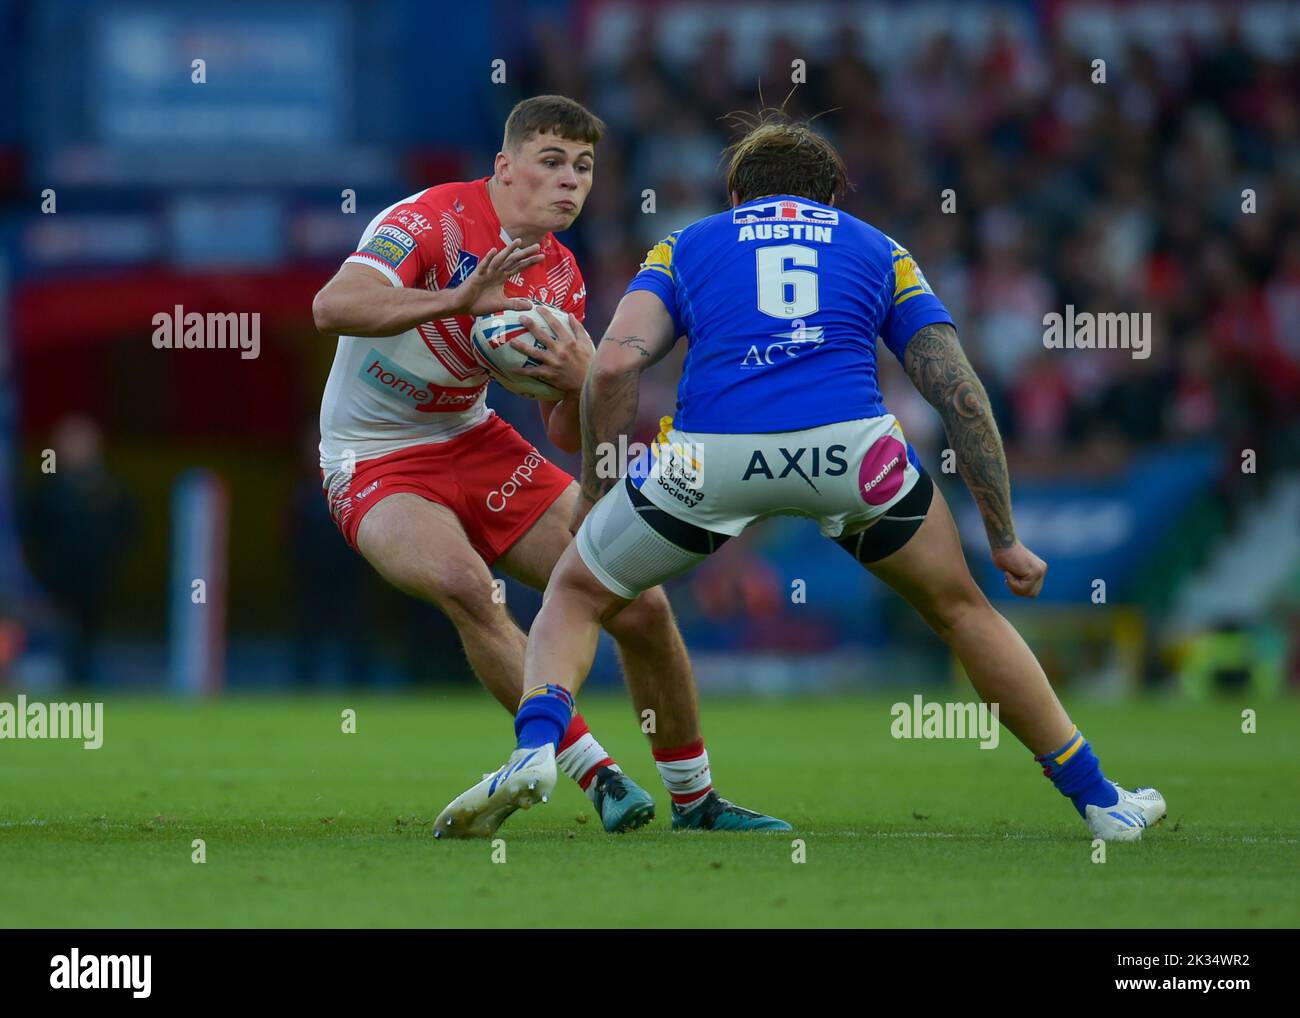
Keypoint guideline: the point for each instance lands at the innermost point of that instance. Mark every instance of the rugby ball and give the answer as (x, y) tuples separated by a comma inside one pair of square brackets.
[(491, 341)]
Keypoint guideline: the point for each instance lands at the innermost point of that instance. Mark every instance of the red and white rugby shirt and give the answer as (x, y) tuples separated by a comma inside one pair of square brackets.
[(385, 394)]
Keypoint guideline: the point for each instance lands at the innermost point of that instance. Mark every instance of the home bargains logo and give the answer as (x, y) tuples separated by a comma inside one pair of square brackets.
[(786, 211), (386, 376)]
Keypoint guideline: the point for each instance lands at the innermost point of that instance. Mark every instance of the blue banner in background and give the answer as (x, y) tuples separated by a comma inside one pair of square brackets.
[(293, 93), (271, 76), (1097, 529)]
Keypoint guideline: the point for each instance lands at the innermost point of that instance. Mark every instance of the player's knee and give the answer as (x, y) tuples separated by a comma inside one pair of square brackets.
[(463, 593), (646, 618), (956, 608)]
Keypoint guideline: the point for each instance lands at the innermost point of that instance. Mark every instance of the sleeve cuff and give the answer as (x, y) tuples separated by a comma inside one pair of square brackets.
[(361, 258)]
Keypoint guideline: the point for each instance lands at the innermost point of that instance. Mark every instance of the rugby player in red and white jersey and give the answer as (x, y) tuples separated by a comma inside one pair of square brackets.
[(432, 488)]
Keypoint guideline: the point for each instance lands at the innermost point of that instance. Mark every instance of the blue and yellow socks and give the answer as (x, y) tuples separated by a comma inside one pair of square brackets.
[(1076, 772), (544, 714)]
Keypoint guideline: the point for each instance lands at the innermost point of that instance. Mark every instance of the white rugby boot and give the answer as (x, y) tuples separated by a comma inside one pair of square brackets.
[(528, 777), (1129, 817)]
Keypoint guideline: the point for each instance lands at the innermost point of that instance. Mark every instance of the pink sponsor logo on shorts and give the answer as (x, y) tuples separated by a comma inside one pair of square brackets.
[(882, 471)]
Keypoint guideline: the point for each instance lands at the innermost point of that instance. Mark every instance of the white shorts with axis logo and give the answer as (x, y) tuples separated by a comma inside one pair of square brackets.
[(699, 489)]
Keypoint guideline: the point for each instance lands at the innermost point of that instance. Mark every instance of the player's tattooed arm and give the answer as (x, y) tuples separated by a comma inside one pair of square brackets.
[(938, 368), (639, 335), (609, 405), (632, 343)]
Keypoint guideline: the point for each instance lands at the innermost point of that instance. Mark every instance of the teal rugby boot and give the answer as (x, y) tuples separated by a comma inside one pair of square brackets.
[(717, 814)]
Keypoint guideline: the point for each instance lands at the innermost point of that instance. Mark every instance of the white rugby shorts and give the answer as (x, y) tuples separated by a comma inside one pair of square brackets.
[(692, 491)]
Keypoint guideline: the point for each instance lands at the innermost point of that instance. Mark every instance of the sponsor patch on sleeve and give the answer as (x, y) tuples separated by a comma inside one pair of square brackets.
[(397, 235), (387, 249)]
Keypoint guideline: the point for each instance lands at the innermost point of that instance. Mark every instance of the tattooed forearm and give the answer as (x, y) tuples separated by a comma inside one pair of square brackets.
[(629, 342), (609, 405), (938, 367)]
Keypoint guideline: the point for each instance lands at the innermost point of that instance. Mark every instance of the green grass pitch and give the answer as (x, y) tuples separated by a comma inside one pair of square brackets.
[(307, 826)]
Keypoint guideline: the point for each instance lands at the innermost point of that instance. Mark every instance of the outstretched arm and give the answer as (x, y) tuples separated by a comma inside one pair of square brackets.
[(361, 301), (938, 368)]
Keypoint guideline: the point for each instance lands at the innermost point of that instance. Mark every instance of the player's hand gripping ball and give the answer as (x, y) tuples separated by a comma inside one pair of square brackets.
[(491, 340)]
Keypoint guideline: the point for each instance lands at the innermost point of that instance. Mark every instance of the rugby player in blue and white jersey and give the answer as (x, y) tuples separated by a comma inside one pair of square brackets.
[(781, 299)]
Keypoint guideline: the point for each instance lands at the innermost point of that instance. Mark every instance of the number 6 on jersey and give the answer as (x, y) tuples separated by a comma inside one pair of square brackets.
[(787, 292)]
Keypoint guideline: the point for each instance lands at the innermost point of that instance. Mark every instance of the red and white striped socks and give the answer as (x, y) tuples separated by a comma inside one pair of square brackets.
[(580, 756), (685, 773), (684, 770)]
